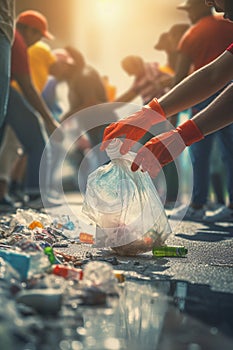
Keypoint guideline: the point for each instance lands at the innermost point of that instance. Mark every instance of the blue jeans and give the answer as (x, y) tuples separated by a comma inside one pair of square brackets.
[(5, 62), (200, 153), (31, 133)]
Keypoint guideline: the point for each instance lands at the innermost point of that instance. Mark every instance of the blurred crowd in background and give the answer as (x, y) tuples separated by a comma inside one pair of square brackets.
[(50, 86)]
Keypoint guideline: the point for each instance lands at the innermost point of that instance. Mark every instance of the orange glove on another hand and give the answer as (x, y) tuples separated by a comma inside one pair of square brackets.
[(164, 148), (135, 126)]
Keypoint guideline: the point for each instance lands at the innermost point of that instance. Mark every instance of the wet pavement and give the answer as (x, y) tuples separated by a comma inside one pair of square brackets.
[(164, 303), (177, 303)]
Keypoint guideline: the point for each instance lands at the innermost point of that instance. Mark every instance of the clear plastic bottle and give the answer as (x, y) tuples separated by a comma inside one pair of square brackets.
[(39, 263)]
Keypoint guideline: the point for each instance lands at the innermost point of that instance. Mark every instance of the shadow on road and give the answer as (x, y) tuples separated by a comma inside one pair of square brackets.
[(210, 233)]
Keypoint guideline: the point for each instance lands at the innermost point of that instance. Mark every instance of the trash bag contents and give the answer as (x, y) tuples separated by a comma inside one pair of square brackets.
[(125, 206)]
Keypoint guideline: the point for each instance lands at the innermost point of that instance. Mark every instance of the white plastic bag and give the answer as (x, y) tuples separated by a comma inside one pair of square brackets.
[(125, 206)]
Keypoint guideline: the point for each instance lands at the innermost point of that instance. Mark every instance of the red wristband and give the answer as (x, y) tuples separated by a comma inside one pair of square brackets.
[(189, 132), (155, 105)]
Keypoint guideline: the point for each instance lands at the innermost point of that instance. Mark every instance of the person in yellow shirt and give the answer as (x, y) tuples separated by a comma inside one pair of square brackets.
[(41, 60)]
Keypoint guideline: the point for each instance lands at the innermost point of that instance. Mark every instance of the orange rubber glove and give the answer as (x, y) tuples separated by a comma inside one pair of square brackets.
[(135, 126), (164, 148)]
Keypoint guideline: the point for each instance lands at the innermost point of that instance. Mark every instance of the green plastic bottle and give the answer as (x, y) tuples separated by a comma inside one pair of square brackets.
[(166, 251), (51, 256)]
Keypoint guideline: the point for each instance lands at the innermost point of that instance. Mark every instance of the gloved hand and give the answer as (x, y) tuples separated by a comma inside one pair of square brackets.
[(164, 148), (135, 126)]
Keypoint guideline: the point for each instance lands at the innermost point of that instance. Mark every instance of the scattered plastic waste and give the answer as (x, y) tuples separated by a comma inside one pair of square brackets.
[(26, 217), (10, 280), (51, 256), (83, 303), (86, 238), (39, 263), (18, 260), (172, 251), (45, 301), (68, 272), (64, 222), (100, 275), (35, 224), (120, 276), (125, 206)]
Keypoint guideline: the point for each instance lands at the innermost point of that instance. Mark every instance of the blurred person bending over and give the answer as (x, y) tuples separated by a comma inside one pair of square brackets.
[(85, 90), (26, 113), (197, 87), (91, 92), (153, 79)]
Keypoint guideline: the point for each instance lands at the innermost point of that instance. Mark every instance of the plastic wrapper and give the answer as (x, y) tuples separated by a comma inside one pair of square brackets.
[(125, 206)]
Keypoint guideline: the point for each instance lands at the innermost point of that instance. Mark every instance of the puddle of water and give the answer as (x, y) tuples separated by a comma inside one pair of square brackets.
[(136, 322), (157, 315), (163, 315)]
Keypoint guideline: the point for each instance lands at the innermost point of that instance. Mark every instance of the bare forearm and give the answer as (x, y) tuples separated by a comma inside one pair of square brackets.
[(199, 85), (128, 96), (37, 103), (218, 114)]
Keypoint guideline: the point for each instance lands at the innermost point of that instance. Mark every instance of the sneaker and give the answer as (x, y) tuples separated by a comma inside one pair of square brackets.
[(35, 202), (19, 196), (222, 214), (169, 205), (212, 206), (7, 205), (187, 213)]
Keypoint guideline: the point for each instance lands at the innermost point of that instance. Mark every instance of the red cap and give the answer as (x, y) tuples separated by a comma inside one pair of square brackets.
[(35, 19)]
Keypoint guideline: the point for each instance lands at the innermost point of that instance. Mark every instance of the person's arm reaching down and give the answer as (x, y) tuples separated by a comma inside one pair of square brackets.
[(164, 148), (190, 91), (36, 101), (135, 126), (218, 114), (199, 86)]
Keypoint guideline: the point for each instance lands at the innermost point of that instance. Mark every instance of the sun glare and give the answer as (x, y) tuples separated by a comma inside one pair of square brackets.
[(107, 8)]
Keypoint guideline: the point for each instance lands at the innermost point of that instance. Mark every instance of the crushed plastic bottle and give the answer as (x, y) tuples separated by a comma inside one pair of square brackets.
[(100, 275)]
